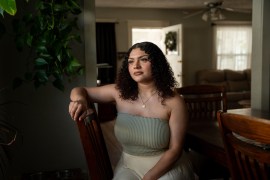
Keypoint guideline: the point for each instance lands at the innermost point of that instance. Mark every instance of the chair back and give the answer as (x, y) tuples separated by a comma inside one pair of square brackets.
[(203, 101), (247, 145), (96, 154)]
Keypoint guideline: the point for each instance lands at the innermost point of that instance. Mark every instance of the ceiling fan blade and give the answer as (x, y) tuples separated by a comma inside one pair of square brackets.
[(227, 9), (236, 10), (194, 14)]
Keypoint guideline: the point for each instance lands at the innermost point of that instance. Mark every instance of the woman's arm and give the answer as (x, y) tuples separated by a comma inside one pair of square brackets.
[(178, 125), (81, 96)]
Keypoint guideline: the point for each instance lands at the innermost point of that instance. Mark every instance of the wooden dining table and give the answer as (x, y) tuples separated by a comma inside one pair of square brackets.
[(205, 138)]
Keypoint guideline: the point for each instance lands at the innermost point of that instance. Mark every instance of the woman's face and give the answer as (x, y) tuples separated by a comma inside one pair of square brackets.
[(139, 66)]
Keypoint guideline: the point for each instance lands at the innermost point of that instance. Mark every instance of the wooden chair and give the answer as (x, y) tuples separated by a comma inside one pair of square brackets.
[(203, 101), (247, 145), (96, 154)]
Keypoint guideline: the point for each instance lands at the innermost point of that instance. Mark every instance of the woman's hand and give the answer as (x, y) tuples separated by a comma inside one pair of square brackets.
[(79, 110)]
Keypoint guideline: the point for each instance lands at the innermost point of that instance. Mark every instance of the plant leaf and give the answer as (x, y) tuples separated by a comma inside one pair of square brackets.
[(41, 76), (75, 63), (29, 39), (40, 62), (1, 11), (8, 6)]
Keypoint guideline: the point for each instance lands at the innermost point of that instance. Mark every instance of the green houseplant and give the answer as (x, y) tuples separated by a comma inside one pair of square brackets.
[(48, 32)]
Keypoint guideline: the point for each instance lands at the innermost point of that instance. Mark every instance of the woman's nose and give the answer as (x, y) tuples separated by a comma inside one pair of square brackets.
[(137, 64)]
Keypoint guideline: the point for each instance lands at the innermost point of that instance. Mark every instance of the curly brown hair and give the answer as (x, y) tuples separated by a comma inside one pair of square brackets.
[(161, 72)]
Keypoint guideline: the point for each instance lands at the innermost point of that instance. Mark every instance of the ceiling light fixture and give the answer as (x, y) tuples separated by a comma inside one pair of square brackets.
[(214, 14)]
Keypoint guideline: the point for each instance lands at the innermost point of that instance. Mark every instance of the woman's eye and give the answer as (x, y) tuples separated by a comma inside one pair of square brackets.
[(130, 62), (144, 59)]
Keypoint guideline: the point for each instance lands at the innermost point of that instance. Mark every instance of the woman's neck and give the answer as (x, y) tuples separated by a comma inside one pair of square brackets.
[(148, 89)]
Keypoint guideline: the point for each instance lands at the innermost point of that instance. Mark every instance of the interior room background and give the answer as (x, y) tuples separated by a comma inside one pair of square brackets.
[(48, 138)]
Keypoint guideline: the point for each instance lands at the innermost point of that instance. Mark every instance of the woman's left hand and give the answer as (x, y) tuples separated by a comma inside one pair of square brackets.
[(79, 110)]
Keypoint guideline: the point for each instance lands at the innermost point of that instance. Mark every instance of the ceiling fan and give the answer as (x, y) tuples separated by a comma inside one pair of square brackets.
[(213, 11)]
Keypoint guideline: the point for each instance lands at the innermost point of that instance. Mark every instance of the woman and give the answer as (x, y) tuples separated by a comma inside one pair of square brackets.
[(151, 120)]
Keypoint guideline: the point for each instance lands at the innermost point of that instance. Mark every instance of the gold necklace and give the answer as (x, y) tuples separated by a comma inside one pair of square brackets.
[(144, 103)]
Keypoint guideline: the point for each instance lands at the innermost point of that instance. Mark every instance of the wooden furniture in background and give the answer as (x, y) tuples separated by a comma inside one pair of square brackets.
[(96, 154), (205, 137), (247, 145), (203, 102), (106, 112)]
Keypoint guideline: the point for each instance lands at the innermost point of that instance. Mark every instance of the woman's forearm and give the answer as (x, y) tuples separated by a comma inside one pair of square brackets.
[(78, 107), (78, 94)]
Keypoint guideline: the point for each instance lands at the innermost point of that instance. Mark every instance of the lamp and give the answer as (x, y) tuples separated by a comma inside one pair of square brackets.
[(214, 14)]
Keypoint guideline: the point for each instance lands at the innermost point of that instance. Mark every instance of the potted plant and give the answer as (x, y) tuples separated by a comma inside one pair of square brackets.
[(47, 32)]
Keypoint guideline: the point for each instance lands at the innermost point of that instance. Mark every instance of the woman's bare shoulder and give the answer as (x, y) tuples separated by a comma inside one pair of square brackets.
[(176, 101)]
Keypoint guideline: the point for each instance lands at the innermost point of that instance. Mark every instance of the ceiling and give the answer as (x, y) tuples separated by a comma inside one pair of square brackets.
[(172, 4)]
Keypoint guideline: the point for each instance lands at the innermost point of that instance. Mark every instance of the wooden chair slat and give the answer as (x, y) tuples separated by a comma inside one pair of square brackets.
[(96, 154), (247, 142), (203, 102)]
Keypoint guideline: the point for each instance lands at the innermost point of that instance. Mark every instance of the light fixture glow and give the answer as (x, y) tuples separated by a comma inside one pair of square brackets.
[(214, 14)]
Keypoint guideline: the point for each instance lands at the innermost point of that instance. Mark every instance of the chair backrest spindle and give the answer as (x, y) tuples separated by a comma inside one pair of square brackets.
[(247, 145), (96, 154), (203, 101)]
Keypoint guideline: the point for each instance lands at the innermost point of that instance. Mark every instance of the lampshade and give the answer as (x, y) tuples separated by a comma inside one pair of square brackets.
[(214, 14)]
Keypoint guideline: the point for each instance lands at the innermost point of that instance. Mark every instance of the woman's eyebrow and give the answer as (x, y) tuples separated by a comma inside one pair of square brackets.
[(144, 56), (139, 56)]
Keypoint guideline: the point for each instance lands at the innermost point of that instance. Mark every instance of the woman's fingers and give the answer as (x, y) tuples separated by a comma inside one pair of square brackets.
[(72, 109), (79, 111), (75, 109), (86, 114)]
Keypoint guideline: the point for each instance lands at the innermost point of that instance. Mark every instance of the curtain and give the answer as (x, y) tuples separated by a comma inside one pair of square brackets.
[(106, 52), (233, 47)]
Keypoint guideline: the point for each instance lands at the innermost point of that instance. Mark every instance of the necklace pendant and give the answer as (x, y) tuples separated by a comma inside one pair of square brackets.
[(143, 106)]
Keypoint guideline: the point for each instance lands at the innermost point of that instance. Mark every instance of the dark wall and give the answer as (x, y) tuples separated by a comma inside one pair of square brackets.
[(47, 137)]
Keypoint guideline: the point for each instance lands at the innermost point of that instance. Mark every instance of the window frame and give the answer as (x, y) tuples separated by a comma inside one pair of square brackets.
[(235, 24)]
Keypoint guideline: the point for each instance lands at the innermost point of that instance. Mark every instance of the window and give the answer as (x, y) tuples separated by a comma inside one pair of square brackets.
[(233, 46)]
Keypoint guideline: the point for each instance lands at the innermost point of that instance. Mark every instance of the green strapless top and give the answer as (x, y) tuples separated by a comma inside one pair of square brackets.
[(142, 135)]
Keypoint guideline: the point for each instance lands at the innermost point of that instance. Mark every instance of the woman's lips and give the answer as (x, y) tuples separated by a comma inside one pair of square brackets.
[(138, 73)]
